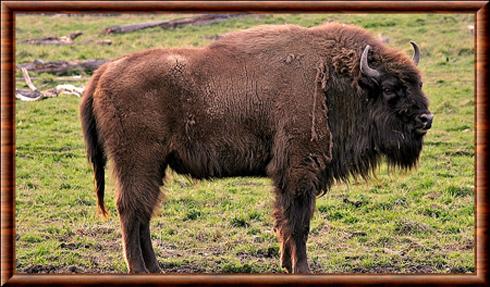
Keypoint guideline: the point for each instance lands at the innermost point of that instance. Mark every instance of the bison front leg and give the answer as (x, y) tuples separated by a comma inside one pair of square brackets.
[(279, 229), (293, 213), (297, 174)]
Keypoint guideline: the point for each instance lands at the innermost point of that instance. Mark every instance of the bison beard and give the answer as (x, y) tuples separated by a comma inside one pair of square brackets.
[(304, 107)]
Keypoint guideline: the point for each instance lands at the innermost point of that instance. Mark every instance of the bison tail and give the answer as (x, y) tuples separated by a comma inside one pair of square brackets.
[(95, 151)]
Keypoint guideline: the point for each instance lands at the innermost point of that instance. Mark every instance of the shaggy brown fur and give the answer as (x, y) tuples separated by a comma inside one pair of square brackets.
[(285, 102)]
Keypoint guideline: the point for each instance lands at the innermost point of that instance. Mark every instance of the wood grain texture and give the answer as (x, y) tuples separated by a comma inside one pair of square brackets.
[(9, 8), (7, 145), (482, 128), (251, 6), (262, 280)]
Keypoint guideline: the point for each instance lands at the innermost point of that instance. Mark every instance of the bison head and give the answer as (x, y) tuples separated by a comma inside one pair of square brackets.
[(399, 114)]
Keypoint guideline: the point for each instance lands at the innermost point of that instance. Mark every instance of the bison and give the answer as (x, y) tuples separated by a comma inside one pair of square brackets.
[(303, 106)]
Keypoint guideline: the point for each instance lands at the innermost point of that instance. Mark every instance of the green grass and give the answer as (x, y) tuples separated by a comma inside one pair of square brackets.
[(418, 221)]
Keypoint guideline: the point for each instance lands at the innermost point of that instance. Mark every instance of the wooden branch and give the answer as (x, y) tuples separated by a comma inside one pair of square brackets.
[(28, 80), (171, 24), (62, 67), (35, 95), (64, 40), (75, 78), (68, 89), (28, 95)]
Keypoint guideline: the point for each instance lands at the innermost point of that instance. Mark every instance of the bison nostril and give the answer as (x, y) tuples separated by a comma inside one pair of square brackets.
[(426, 119)]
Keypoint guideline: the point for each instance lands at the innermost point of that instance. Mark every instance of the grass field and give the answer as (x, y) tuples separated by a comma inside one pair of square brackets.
[(418, 221)]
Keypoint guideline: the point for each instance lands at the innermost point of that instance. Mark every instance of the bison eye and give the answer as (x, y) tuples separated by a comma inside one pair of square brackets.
[(387, 90), (421, 84)]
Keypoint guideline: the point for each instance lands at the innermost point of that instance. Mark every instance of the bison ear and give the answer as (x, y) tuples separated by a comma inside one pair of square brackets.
[(364, 66)]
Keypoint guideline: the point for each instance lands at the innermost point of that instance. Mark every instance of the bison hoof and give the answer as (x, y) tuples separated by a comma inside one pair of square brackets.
[(155, 269), (301, 269), (286, 262), (287, 265), (138, 271)]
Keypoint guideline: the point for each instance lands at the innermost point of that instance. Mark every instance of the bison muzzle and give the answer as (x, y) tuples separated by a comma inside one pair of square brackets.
[(303, 106)]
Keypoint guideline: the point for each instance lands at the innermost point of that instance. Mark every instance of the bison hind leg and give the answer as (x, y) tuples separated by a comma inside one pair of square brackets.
[(130, 225), (138, 194), (149, 257)]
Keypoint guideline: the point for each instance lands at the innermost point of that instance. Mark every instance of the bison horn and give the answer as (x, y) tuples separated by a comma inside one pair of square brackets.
[(416, 53), (365, 69)]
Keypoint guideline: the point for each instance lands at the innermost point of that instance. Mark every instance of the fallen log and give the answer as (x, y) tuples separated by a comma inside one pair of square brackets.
[(63, 40), (75, 78), (174, 23), (62, 67), (28, 95), (33, 94)]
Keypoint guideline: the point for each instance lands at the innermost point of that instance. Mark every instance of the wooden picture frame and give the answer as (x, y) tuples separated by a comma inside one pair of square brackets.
[(8, 10)]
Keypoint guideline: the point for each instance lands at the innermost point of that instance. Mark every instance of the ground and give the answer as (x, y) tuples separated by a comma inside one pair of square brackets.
[(400, 222)]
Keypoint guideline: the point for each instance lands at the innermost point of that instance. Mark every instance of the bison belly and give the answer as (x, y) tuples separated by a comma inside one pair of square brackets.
[(224, 157)]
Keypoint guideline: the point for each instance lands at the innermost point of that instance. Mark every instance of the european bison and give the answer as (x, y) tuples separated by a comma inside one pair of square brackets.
[(303, 106)]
